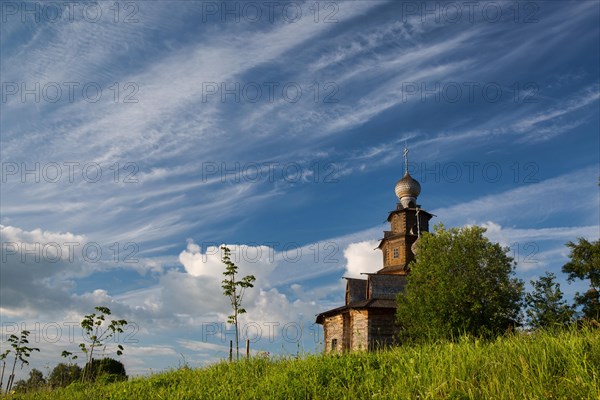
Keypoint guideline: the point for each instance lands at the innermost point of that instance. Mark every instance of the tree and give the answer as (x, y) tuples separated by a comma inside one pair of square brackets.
[(235, 291), (63, 375), (21, 351), (546, 307), (106, 370), (3, 358), (98, 334), (35, 381), (585, 264), (460, 283)]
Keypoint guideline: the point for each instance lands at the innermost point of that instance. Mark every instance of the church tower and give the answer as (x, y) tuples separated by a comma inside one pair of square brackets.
[(367, 320), (407, 222)]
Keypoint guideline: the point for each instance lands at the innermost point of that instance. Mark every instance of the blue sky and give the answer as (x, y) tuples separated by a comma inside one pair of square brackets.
[(136, 138)]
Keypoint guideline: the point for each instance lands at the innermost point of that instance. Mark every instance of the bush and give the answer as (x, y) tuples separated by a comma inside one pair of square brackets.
[(105, 370)]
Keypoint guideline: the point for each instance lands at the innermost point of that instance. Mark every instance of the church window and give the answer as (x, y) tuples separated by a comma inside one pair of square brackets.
[(395, 252)]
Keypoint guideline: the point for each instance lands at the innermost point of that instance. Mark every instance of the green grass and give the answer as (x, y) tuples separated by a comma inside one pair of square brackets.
[(563, 365)]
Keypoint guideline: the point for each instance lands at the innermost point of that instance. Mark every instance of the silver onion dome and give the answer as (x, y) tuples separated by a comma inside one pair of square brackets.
[(407, 187)]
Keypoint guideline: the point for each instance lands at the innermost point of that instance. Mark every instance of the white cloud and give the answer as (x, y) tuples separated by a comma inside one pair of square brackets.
[(586, 97), (362, 257), (251, 260)]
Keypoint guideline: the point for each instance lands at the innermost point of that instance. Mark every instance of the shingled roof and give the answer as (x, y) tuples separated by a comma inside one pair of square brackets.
[(377, 291), (361, 305)]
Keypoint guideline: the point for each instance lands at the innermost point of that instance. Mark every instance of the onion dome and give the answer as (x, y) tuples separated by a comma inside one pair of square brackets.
[(407, 188)]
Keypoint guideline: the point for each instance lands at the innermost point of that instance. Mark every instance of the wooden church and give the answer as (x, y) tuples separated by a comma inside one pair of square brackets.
[(368, 319)]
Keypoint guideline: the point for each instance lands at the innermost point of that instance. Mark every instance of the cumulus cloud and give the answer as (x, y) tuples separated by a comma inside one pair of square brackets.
[(251, 260), (362, 257), (37, 269), (263, 302), (40, 270)]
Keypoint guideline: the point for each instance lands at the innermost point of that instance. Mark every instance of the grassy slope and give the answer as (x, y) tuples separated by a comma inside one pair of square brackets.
[(540, 366)]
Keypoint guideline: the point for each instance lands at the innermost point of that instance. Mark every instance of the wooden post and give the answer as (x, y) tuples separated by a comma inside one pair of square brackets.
[(247, 349), (230, 350), (2, 377)]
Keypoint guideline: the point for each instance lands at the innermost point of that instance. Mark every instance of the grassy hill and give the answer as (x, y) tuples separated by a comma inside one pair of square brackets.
[(563, 365)]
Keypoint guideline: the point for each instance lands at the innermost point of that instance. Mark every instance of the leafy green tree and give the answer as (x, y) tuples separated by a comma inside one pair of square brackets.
[(460, 283), (21, 351), (235, 291), (105, 370), (99, 333), (585, 265), (63, 375), (546, 307), (35, 381)]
